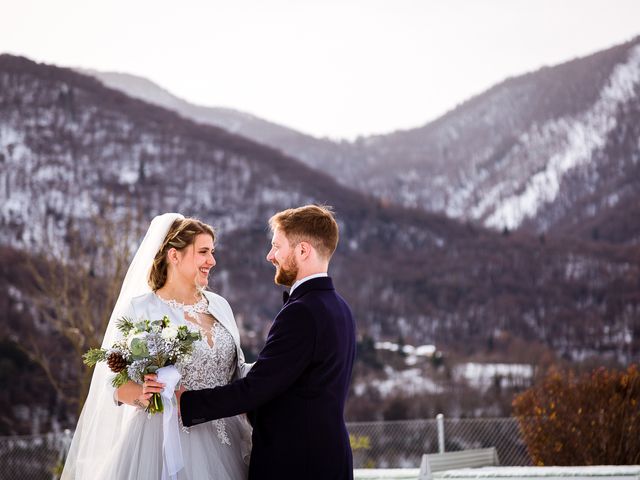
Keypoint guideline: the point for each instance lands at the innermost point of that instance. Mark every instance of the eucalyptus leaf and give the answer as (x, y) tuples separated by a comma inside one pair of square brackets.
[(139, 348)]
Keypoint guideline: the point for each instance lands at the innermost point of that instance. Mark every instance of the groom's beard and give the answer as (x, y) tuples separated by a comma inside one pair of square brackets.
[(286, 274)]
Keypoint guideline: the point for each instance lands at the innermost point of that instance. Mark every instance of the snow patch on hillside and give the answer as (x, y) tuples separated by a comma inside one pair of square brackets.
[(581, 136)]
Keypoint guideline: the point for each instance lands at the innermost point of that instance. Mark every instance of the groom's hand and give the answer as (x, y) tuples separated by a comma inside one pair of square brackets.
[(179, 393)]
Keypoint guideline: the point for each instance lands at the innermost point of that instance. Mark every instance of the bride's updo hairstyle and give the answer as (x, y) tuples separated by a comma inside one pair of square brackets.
[(182, 233)]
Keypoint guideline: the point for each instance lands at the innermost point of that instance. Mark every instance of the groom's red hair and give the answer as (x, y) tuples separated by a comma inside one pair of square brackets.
[(311, 223)]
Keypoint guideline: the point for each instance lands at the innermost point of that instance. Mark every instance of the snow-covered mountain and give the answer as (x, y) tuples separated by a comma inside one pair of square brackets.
[(75, 154), (72, 150), (231, 120), (311, 150), (552, 151)]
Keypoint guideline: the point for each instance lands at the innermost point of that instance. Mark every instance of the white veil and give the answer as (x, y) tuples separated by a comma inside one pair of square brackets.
[(101, 421)]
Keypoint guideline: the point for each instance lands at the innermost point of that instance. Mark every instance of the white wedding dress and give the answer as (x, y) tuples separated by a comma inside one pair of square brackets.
[(214, 450), (114, 442)]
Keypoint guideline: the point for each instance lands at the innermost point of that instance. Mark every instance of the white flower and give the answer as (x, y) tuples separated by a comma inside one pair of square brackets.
[(170, 332)]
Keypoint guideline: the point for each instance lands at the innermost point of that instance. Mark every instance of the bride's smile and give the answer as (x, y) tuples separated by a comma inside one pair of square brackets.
[(195, 261)]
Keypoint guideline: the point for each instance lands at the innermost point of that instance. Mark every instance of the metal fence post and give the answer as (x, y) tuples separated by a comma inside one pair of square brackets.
[(440, 422), (64, 442)]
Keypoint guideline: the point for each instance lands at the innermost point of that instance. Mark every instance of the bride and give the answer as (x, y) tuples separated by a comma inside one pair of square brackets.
[(115, 437)]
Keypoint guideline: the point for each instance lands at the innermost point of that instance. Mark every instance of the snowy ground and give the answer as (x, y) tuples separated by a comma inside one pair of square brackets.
[(386, 474), (608, 472), (415, 380)]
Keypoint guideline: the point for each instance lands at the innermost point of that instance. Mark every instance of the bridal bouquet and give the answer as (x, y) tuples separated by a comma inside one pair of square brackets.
[(145, 347)]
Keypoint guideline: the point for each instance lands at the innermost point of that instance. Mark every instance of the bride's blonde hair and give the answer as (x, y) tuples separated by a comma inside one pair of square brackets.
[(182, 233)]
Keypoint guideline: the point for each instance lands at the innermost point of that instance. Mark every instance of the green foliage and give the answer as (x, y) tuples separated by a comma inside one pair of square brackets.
[(57, 469), (162, 323), (359, 442), (120, 379), (125, 325), (143, 326), (155, 404), (139, 348), (93, 356), (591, 419)]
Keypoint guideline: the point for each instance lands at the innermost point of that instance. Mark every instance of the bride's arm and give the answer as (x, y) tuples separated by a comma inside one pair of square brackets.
[(133, 393), (138, 395)]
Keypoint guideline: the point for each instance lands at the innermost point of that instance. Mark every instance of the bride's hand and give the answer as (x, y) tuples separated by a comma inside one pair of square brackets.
[(138, 395), (151, 385)]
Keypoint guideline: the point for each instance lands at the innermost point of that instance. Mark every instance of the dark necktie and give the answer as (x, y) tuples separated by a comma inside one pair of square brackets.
[(285, 297)]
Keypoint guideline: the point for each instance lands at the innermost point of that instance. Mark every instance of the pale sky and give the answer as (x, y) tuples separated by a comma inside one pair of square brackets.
[(337, 68)]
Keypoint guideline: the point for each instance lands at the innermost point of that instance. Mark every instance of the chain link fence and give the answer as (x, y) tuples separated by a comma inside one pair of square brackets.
[(33, 457), (401, 444), (375, 445)]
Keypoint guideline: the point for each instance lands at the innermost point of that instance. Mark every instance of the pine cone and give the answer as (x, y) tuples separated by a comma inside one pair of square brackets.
[(116, 362)]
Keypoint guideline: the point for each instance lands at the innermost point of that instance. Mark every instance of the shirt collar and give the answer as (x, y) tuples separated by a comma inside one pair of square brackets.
[(302, 280)]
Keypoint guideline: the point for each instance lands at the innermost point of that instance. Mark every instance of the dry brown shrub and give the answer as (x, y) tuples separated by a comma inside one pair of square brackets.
[(588, 419)]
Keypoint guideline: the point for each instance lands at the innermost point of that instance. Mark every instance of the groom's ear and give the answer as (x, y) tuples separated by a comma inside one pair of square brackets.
[(305, 249)]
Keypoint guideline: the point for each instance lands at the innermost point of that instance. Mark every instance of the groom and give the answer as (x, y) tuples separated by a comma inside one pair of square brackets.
[(296, 390)]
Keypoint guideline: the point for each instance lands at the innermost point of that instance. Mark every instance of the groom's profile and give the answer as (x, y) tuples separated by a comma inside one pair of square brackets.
[(296, 390)]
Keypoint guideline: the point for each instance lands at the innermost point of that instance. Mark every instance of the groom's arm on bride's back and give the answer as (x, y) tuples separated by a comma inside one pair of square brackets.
[(287, 352)]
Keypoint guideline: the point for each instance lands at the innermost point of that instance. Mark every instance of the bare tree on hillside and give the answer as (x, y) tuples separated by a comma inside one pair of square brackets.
[(77, 284)]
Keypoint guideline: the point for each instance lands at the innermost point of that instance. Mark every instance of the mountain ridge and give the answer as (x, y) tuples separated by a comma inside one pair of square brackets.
[(486, 159), (75, 154), (102, 146)]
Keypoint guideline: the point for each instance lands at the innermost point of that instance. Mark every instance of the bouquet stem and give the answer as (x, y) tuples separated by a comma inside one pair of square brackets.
[(155, 404)]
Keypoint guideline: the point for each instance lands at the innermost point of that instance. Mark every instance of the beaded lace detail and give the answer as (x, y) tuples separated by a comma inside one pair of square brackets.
[(201, 306), (209, 366)]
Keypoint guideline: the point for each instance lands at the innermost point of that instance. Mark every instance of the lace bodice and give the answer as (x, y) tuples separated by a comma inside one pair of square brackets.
[(209, 365)]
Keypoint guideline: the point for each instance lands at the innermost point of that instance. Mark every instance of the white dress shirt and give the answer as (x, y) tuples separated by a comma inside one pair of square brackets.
[(302, 280)]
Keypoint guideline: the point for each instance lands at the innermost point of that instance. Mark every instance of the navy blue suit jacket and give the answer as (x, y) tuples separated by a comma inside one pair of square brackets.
[(296, 390)]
